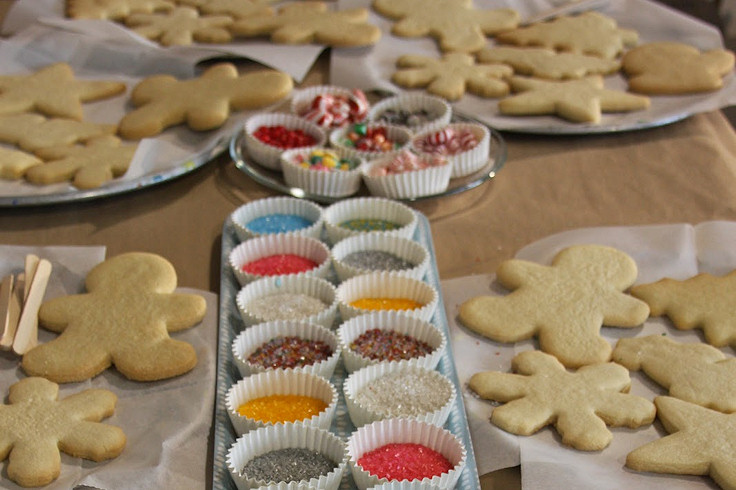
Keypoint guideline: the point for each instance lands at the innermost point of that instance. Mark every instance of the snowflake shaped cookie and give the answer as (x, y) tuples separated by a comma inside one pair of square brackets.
[(547, 63), (700, 442), (203, 103), (578, 404), (113, 9), (451, 75), (703, 301), (455, 24), (311, 22), (564, 304), (697, 373), (581, 101), (31, 132), (181, 26), (54, 91), (123, 319), (15, 163), (70, 425)]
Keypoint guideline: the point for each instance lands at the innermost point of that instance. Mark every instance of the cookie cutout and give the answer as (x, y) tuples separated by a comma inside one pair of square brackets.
[(54, 91), (455, 24), (87, 167), (31, 132), (700, 442), (181, 27), (123, 319), (113, 9), (703, 301), (580, 405), (579, 101), (237, 9), (36, 425), (203, 103), (697, 373), (564, 305), (589, 33), (547, 63), (311, 22), (15, 163), (674, 68), (451, 75)]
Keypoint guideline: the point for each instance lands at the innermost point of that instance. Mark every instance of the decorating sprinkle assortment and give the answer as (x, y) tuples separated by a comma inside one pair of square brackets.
[(407, 161), (389, 345), (405, 394), (276, 265), (285, 306), (447, 141), (404, 461), (282, 137), (386, 304), (376, 260), (403, 117), (290, 352), (369, 224), (373, 139), (326, 161), (278, 223), (281, 408), (334, 110), (287, 465)]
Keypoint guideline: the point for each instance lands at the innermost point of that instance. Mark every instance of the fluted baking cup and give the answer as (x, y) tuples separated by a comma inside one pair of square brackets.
[(466, 162), (261, 441), (331, 183), (250, 339), (310, 286), (280, 382), (405, 485), (383, 432), (416, 328), (282, 205), (403, 248), (409, 184), (399, 135), (368, 208), (438, 111), (269, 155)]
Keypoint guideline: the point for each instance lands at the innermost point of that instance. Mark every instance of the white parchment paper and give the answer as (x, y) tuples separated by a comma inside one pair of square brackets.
[(677, 251), (372, 68), (167, 423)]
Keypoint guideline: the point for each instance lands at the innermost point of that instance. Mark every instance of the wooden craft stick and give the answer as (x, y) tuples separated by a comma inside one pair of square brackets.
[(30, 270), (26, 336), (16, 304), (6, 328)]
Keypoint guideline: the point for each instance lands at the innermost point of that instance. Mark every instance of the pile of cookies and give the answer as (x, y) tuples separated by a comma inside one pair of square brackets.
[(579, 384)]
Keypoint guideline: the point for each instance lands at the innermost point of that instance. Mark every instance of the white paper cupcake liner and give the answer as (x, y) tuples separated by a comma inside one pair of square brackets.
[(368, 208), (405, 485), (386, 285), (467, 162), (268, 245), (421, 330), (338, 183), (436, 106), (380, 433), (407, 185), (314, 287), (250, 339), (361, 414), (275, 437), (398, 134), (280, 382), (268, 155), (301, 101), (277, 205), (403, 248)]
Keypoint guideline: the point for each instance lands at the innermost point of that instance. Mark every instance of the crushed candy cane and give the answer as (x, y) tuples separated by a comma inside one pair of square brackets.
[(447, 141), (332, 110), (407, 161)]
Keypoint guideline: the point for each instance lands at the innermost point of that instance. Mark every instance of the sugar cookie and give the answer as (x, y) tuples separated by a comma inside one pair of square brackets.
[(15, 163), (31, 132), (181, 26), (547, 63), (113, 9)]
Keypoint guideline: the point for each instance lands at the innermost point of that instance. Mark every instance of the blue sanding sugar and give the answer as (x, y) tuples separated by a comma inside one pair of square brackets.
[(278, 223), (288, 464)]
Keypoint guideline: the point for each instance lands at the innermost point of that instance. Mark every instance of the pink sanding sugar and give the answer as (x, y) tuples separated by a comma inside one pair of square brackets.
[(404, 461)]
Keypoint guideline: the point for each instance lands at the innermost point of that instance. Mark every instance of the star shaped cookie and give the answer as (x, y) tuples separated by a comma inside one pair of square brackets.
[(311, 22), (697, 373), (15, 163), (33, 131), (547, 63), (113, 9), (581, 101), (181, 26), (36, 425), (451, 75), (455, 24), (701, 442), (203, 103), (54, 91), (123, 319), (703, 301), (580, 405), (564, 305)]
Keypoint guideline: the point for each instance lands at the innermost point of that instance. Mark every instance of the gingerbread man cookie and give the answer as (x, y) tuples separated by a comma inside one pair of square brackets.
[(703, 301), (578, 404), (15, 163), (564, 304), (31, 132), (181, 26), (203, 103), (53, 90), (123, 319), (700, 442), (311, 22), (697, 373), (113, 9), (237, 9), (36, 425), (675, 68), (455, 24), (451, 75), (547, 63)]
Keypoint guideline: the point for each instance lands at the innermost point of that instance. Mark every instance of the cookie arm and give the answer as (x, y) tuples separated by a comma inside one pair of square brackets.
[(54, 314), (94, 441), (183, 310)]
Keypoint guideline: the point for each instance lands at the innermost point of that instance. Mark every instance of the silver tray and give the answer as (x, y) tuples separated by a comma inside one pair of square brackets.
[(230, 324)]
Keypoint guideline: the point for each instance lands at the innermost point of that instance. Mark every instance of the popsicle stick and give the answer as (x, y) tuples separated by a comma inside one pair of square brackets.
[(573, 7), (6, 297), (30, 270), (26, 336), (16, 305)]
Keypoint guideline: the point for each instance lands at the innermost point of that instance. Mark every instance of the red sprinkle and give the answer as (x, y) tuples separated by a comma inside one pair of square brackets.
[(389, 345), (283, 137), (404, 461), (274, 265)]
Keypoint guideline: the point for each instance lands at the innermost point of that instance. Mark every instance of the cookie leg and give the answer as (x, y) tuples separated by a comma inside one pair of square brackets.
[(164, 359), (66, 359), (34, 465)]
